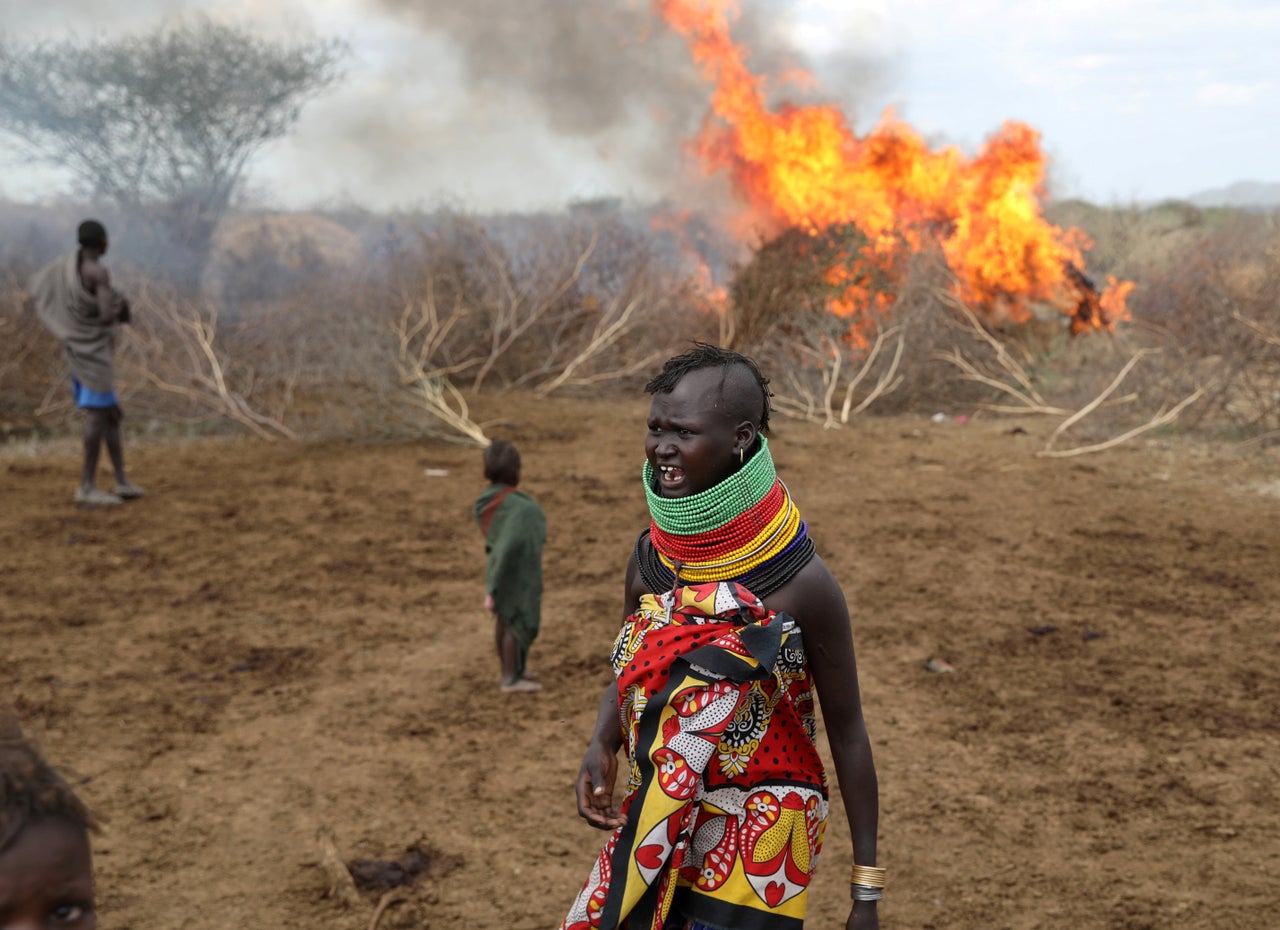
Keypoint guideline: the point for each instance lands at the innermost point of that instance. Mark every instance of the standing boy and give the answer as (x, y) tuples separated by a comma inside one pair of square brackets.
[(75, 301)]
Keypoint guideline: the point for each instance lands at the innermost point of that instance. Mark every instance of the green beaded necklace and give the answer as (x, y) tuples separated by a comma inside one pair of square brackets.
[(715, 506)]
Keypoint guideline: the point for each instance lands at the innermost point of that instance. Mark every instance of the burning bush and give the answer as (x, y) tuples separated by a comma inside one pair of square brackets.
[(591, 298), (799, 279)]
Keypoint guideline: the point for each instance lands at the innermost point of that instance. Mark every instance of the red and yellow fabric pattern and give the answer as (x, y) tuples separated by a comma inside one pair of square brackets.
[(727, 798)]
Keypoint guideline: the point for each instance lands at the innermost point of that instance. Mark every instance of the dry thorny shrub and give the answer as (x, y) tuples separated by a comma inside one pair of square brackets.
[(392, 347), (1215, 313), (830, 365), (378, 350), (31, 366), (543, 306), (909, 343)]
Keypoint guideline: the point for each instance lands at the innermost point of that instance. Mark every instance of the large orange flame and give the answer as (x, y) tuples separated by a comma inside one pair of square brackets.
[(802, 166)]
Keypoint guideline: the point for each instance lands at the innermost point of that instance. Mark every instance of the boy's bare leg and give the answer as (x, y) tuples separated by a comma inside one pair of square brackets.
[(111, 433), (95, 425), (115, 448)]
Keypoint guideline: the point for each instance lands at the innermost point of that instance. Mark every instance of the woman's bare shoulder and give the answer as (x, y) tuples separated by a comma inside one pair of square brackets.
[(812, 593), (635, 585)]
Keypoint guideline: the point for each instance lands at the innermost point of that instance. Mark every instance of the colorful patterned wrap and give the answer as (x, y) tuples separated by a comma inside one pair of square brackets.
[(726, 801)]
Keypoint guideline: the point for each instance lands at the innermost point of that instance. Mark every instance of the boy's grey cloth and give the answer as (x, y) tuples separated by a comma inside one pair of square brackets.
[(71, 313)]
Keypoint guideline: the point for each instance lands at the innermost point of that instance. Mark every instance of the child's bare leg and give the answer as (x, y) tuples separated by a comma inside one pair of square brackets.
[(507, 655), (95, 424), (510, 681), (111, 433)]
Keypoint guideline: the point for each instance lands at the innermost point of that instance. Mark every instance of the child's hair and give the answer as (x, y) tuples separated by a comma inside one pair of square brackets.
[(502, 463), (30, 789)]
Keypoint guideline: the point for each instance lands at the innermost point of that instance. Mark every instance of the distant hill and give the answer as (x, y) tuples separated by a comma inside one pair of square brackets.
[(1247, 195)]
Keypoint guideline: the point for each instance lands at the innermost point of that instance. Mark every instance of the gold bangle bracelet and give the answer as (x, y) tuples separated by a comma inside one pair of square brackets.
[(867, 875)]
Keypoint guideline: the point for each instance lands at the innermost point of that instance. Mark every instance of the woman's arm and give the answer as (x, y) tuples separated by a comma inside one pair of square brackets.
[(815, 599), (599, 769)]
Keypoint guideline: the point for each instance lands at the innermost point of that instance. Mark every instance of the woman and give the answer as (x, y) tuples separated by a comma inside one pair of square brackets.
[(732, 623)]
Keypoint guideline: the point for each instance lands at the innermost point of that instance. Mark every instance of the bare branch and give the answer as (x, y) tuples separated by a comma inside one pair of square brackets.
[(202, 379), (885, 384), (511, 326), (1097, 401), (1010, 365), (419, 337), (1268, 337), (1160, 419), (1031, 403), (388, 899), (603, 337)]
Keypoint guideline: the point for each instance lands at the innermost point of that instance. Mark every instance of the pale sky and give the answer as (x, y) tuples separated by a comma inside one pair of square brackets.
[(524, 104)]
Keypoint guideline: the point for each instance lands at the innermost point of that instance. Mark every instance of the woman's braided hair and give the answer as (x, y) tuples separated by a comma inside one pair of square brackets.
[(751, 386), (30, 789)]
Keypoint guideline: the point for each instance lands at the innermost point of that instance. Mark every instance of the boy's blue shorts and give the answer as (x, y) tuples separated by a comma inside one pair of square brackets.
[(95, 399)]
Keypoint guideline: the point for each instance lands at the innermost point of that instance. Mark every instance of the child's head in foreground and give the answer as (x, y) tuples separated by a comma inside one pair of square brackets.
[(46, 872)]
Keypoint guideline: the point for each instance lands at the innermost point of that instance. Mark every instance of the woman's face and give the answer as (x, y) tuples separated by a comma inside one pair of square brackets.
[(692, 442)]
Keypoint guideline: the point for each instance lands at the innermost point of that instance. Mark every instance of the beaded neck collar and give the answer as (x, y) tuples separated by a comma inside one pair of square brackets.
[(746, 529), (717, 505)]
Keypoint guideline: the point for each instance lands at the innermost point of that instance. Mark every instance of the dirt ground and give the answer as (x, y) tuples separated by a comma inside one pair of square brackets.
[(284, 638)]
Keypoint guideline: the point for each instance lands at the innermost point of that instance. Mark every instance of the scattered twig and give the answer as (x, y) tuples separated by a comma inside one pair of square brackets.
[(827, 359), (885, 384), (1029, 402), (1161, 418), (341, 885), (1003, 358), (203, 379), (1261, 438), (388, 900), (420, 333)]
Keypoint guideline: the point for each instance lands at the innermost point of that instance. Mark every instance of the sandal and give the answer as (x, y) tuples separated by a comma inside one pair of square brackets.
[(96, 497)]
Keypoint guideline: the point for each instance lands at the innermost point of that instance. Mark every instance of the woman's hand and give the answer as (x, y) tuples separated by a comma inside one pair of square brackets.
[(595, 788), (863, 916), (488, 602)]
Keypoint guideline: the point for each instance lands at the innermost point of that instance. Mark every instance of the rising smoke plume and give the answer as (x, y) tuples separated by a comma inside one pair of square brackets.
[(488, 104), (607, 72)]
